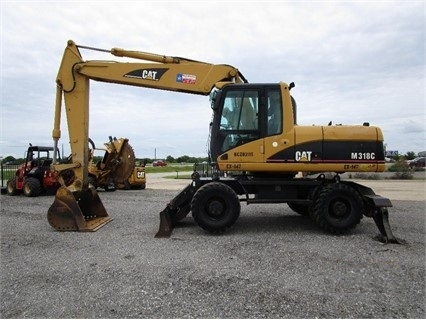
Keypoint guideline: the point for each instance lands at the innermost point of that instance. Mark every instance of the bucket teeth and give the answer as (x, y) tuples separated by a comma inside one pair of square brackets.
[(79, 211)]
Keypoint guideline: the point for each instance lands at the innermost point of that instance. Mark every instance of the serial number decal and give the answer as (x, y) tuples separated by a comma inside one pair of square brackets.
[(233, 166), (363, 156), (360, 167), (243, 154), (351, 166)]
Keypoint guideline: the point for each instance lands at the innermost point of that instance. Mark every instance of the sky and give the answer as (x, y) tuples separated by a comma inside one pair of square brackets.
[(351, 61)]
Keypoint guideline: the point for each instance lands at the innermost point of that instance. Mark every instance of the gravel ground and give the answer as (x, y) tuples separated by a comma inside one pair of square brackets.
[(272, 264)]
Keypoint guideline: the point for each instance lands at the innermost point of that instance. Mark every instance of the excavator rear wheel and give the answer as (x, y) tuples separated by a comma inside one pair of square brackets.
[(337, 208), (215, 207)]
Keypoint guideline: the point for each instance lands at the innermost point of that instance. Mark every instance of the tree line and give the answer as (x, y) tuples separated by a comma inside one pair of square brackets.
[(171, 159), (168, 159)]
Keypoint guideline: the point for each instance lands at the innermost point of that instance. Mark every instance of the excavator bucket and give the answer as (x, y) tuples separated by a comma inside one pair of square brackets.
[(80, 211)]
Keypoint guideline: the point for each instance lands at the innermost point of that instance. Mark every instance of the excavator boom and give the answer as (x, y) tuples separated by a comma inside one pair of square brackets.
[(73, 85)]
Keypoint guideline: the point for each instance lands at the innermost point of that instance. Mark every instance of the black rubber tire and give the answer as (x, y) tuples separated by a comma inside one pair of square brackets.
[(11, 187), (302, 209), (215, 207), (92, 181), (338, 208), (32, 187), (109, 188)]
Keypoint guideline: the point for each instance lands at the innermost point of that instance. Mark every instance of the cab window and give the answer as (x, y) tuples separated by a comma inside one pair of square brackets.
[(240, 111), (239, 122), (274, 124)]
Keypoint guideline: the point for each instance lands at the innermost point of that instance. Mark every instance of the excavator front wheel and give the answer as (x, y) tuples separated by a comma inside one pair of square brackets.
[(215, 207)]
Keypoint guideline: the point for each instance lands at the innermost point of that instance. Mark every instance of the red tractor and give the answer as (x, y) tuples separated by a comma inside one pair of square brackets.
[(34, 177)]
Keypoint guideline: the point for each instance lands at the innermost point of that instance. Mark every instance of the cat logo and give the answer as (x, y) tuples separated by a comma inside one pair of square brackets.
[(153, 74), (303, 156)]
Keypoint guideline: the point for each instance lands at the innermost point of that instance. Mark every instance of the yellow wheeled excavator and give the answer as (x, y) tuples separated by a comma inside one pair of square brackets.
[(256, 148)]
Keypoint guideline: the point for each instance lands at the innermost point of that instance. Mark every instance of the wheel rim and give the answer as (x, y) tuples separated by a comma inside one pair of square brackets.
[(215, 208), (27, 189), (339, 208)]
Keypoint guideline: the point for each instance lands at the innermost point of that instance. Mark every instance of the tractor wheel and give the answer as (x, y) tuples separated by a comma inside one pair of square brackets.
[(32, 187), (110, 187), (11, 187), (215, 207), (302, 209), (127, 185), (92, 181), (337, 208)]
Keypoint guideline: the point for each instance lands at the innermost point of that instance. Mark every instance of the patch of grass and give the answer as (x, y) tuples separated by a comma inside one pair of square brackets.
[(179, 176), (406, 175), (399, 166), (169, 168), (366, 176), (401, 170), (8, 174)]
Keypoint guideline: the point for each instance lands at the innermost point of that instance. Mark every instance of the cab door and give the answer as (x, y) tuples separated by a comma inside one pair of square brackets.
[(279, 127), (236, 133)]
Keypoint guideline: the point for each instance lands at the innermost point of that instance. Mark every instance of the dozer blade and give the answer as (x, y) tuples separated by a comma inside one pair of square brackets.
[(80, 211), (166, 225), (176, 210)]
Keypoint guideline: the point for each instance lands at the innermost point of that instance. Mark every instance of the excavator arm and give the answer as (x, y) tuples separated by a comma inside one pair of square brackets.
[(76, 205)]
